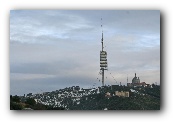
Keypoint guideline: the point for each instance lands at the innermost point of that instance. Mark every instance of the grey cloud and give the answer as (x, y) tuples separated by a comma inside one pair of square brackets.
[(49, 84), (64, 46)]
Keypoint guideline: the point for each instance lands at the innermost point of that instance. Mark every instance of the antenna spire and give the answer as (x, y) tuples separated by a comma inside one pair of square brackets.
[(101, 25), (102, 35)]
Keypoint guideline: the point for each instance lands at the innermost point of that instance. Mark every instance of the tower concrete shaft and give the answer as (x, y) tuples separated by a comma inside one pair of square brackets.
[(103, 77)]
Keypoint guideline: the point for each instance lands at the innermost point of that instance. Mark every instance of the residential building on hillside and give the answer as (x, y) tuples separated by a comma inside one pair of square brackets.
[(122, 93)]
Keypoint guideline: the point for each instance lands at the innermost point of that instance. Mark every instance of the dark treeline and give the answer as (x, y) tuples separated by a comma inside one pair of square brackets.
[(29, 104)]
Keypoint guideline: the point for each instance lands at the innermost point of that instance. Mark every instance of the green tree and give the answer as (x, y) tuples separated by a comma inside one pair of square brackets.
[(15, 106), (15, 98), (30, 101)]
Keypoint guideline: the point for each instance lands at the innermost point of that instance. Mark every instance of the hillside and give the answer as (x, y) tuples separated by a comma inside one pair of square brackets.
[(101, 98)]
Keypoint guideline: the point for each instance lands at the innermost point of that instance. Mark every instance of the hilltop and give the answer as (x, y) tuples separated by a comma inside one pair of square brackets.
[(113, 97)]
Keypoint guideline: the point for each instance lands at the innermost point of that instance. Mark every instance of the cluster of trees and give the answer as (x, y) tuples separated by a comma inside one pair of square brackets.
[(29, 103), (15, 103), (146, 99), (100, 102)]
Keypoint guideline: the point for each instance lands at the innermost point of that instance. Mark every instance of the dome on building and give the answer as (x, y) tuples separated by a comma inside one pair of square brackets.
[(135, 80)]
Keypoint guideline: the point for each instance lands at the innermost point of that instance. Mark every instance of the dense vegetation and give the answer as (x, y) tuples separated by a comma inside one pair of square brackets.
[(29, 104), (141, 98)]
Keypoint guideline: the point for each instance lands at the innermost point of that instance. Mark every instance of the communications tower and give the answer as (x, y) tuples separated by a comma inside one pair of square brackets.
[(103, 59)]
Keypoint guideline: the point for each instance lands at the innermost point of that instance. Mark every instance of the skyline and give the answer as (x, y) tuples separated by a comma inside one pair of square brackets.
[(53, 49)]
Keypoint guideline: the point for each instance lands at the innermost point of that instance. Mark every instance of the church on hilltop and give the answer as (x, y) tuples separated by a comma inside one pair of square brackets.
[(136, 82)]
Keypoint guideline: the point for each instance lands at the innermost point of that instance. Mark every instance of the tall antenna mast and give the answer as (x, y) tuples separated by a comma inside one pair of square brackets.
[(103, 58), (102, 34)]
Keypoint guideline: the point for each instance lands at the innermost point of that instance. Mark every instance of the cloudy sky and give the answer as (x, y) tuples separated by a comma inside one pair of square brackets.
[(53, 49)]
